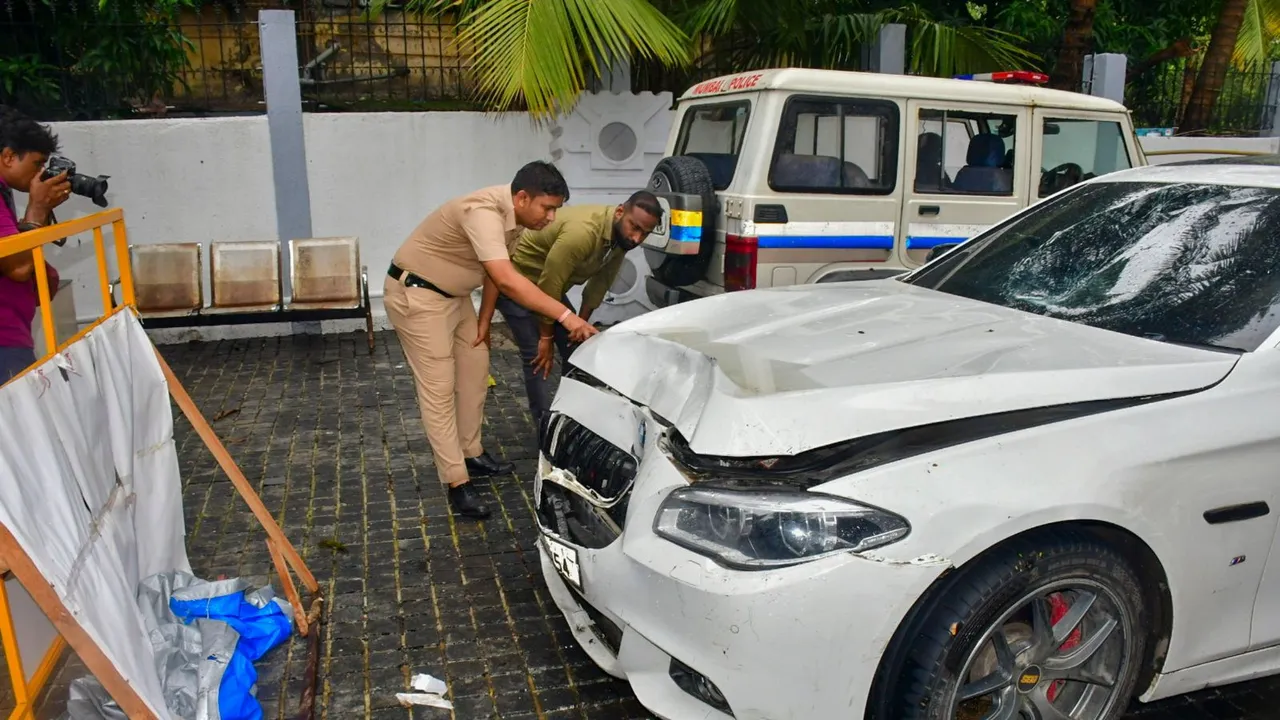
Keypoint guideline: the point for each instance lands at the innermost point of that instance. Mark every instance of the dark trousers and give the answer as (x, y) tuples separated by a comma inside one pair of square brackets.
[(14, 360), (524, 328)]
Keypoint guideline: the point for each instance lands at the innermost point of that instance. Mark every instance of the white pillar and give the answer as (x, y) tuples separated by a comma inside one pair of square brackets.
[(888, 54), (1270, 122), (1105, 75)]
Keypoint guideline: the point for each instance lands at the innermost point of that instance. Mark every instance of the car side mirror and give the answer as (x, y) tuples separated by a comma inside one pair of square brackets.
[(938, 251)]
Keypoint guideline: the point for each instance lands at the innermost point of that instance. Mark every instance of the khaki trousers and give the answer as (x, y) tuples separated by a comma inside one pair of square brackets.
[(436, 333)]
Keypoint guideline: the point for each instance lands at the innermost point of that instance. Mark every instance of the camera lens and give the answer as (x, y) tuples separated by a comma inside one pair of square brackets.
[(93, 188)]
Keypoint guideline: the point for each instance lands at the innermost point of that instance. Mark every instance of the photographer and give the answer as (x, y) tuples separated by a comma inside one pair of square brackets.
[(25, 145)]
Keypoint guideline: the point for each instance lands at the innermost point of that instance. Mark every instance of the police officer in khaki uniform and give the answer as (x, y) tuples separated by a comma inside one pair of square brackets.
[(464, 244)]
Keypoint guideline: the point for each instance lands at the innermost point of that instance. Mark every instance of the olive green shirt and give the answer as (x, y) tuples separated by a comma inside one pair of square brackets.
[(576, 248)]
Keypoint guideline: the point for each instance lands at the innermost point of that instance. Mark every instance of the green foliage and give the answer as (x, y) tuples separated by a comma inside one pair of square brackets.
[(831, 34), (91, 53), (26, 76), (541, 52), (1256, 42)]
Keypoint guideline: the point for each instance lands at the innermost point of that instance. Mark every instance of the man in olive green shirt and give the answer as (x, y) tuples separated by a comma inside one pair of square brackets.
[(585, 244)]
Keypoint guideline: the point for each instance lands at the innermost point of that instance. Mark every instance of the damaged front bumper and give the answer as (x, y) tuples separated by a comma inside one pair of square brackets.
[(695, 639)]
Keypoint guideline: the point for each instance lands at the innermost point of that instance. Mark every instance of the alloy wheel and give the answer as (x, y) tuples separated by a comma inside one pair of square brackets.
[(1056, 654)]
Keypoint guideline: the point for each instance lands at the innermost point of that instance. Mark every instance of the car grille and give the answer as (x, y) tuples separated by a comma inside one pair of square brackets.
[(598, 465)]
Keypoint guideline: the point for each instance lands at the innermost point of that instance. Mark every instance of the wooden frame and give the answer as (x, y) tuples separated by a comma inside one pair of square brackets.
[(25, 690), (14, 559)]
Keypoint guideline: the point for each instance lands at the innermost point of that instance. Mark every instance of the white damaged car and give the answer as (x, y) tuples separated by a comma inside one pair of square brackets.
[(1032, 479)]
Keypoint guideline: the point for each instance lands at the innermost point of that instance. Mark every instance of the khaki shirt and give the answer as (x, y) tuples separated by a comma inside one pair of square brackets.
[(576, 248), (448, 247)]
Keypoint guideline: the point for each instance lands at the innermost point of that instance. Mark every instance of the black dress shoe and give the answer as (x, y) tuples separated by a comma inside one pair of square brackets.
[(485, 465), (467, 503)]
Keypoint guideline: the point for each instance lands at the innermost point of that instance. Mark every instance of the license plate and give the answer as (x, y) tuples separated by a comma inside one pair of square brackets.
[(565, 558)]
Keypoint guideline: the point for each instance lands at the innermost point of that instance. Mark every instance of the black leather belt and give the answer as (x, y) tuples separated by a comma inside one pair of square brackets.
[(411, 280)]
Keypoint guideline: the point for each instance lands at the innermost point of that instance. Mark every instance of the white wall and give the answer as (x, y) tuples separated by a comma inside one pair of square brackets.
[(372, 175), (177, 180), (377, 175), (1193, 148)]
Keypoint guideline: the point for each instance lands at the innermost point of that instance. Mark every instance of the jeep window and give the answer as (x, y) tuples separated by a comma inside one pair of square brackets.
[(828, 145), (1188, 263), (965, 153), (713, 134), (1076, 150)]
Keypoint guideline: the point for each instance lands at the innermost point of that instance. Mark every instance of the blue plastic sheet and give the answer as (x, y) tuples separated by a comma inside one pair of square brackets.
[(260, 629)]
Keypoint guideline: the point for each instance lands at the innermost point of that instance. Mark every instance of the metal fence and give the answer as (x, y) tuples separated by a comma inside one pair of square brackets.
[(75, 59), (1158, 99), (714, 60), (84, 60), (395, 61)]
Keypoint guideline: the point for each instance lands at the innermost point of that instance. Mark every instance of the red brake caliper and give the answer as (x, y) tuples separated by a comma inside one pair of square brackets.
[(1058, 607)]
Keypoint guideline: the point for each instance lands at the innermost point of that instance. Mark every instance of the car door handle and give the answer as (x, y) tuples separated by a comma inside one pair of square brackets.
[(1236, 513), (930, 209)]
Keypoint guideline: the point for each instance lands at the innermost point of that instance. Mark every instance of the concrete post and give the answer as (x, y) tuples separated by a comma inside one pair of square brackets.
[(278, 34), (888, 54), (1106, 73), (1270, 123)]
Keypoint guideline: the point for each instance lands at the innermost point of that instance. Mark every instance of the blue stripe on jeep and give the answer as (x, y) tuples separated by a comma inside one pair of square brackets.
[(928, 243), (826, 242), (686, 234)]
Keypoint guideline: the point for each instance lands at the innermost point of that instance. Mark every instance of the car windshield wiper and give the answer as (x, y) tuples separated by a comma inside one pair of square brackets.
[(1197, 345)]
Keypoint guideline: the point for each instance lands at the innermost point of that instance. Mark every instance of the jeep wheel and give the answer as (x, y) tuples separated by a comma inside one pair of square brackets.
[(1046, 629), (687, 175)]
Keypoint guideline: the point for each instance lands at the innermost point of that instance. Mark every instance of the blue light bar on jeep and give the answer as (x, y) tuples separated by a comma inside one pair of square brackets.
[(1008, 76)]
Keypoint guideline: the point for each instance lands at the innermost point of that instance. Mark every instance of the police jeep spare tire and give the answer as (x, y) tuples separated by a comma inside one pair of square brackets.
[(688, 176)]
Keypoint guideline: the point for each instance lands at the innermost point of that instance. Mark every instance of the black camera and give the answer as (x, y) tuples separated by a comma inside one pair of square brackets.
[(93, 188)]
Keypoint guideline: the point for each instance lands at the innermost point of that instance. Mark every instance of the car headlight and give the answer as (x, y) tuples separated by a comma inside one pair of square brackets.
[(759, 528)]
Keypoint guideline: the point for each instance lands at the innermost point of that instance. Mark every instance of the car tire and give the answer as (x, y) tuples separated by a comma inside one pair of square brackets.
[(951, 647), (689, 176)]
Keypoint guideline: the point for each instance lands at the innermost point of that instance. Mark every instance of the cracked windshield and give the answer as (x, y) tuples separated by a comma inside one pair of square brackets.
[(1188, 264)]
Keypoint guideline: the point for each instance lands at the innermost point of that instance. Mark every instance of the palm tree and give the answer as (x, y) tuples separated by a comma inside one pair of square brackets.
[(542, 52), (1077, 41), (1242, 36)]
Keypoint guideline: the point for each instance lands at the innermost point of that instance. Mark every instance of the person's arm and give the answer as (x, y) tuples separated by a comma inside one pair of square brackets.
[(486, 230), (15, 267), (594, 291), (45, 195), (527, 295), (488, 302)]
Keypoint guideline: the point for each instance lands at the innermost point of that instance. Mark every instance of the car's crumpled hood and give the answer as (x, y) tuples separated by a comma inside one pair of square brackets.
[(781, 371)]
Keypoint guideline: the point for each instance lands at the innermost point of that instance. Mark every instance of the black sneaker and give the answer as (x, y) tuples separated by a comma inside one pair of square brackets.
[(485, 465), (466, 502)]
